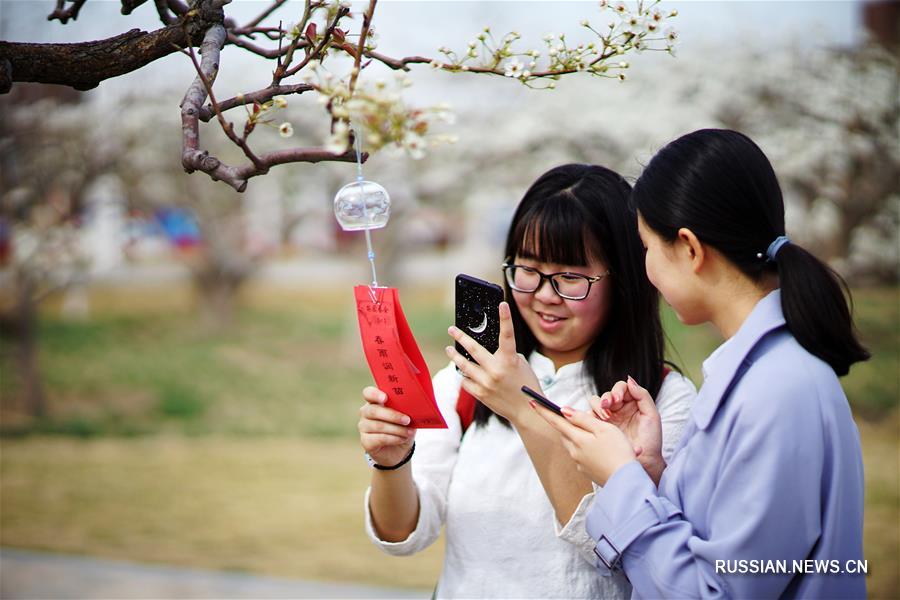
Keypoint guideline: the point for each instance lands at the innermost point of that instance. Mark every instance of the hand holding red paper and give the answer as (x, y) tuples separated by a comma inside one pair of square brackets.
[(383, 431), (498, 378), (394, 357)]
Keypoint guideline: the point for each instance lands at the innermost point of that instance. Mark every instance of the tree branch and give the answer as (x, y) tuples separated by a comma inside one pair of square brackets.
[(398, 64), (292, 155), (64, 14), (259, 19), (363, 34), (165, 15), (401, 64), (207, 112), (178, 7), (212, 46), (259, 50), (273, 33), (130, 5), (84, 65), (320, 47), (194, 159)]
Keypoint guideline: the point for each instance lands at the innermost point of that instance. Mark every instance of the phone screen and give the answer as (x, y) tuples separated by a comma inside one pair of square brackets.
[(477, 306)]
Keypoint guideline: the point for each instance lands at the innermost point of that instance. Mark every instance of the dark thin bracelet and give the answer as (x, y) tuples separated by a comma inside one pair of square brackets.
[(397, 466)]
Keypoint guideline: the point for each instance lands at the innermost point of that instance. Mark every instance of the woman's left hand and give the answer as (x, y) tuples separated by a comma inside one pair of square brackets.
[(497, 379), (598, 448)]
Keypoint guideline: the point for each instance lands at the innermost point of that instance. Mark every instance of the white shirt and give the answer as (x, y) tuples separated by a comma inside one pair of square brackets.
[(503, 538)]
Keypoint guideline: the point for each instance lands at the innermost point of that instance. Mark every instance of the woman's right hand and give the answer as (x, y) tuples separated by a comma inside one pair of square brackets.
[(383, 431), (630, 407)]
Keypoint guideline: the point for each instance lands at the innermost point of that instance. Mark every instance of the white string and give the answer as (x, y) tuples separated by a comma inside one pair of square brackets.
[(359, 180)]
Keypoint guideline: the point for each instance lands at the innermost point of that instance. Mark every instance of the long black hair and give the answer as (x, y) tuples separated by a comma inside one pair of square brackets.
[(569, 215), (720, 185)]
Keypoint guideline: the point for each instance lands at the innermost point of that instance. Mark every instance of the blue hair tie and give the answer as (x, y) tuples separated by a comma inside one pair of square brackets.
[(774, 247)]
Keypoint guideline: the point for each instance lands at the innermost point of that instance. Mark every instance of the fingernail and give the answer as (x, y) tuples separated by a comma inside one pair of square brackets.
[(631, 380), (604, 403), (532, 404), (410, 432), (452, 330), (405, 420), (448, 349), (383, 398), (567, 411)]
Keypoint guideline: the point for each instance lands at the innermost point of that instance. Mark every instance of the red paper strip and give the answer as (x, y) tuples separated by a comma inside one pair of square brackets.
[(394, 357)]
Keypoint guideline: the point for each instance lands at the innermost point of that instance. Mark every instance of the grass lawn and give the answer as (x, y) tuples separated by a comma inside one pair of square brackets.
[(287, 507), (237, 449)]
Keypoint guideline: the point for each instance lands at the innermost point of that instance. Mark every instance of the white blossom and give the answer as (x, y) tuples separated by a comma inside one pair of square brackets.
[(415, 146), (514, 68), (339, 141), (286, 130), (635, 25)]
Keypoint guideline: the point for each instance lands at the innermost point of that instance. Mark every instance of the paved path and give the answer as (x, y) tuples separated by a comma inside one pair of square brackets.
[(38, 575)]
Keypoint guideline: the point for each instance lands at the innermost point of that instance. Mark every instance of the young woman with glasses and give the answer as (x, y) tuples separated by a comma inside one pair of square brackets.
[(582, 315)]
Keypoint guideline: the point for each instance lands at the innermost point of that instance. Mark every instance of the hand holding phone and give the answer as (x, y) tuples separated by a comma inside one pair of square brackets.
[(541, 400)]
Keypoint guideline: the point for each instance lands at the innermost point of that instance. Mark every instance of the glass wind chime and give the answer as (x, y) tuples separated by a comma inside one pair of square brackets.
[(363, 205)]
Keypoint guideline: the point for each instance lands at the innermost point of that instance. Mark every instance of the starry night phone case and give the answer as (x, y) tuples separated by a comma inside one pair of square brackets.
[(477, 306)]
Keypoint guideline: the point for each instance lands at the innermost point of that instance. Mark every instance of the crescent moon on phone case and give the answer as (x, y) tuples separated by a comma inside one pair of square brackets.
[(481, 327)]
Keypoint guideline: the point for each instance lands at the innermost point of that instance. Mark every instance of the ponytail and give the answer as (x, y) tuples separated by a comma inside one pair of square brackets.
[(721, 186), (814, 299)]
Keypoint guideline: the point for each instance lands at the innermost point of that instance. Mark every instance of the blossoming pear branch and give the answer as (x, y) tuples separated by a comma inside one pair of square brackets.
[(310, 49)]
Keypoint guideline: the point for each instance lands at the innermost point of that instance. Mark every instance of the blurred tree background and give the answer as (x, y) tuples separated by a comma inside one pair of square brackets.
[(180, 367)]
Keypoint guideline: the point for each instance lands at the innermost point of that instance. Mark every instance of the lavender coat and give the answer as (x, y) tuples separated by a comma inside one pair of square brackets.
[(767, 478)]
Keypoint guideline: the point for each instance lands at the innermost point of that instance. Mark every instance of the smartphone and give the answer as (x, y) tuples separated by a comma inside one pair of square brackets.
[(541, 400), (477, 312)]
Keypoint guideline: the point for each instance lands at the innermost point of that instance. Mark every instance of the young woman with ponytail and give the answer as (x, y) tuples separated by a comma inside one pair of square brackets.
[(763, 497)]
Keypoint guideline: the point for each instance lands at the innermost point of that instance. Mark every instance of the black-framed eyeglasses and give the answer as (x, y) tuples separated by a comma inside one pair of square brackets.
[(571, 286)]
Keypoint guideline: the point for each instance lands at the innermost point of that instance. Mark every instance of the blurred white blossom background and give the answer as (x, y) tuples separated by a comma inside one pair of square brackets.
[(452, 203)]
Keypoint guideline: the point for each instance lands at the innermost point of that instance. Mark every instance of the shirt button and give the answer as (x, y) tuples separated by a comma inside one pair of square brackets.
[(547, 381)]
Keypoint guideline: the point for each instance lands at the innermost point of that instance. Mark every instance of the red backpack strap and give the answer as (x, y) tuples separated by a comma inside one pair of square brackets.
[(465, 408)]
